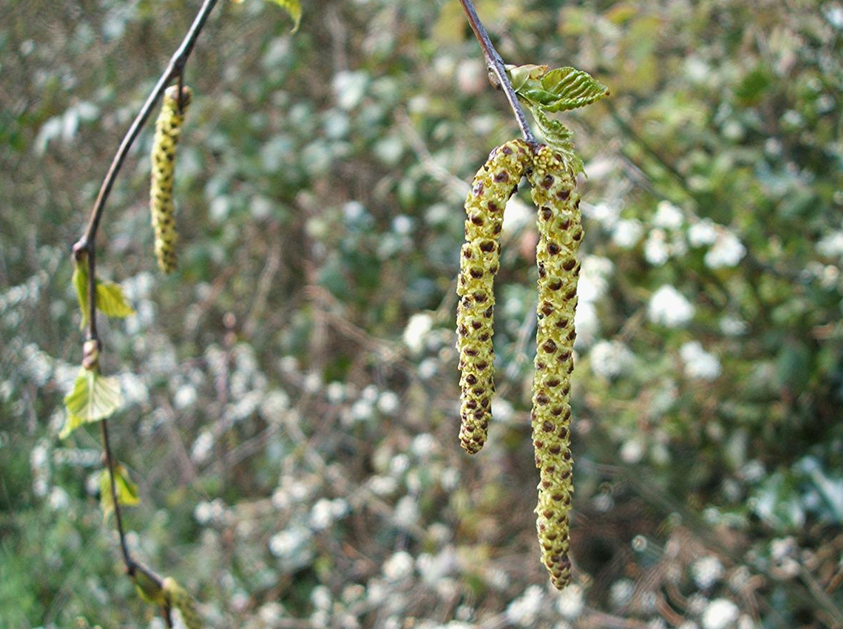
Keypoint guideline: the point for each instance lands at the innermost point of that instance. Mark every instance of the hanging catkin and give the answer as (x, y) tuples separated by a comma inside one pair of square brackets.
[(179, 598), (554, 194), (492, 187), (167, 131)]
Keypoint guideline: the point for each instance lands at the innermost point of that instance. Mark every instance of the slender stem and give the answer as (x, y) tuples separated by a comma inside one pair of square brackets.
[(109, 462), (496, 65), (129, 562)]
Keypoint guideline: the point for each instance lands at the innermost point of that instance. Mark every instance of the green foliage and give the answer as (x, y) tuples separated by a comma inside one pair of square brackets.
[(94, 397), (127, 491), (561, 89), (110, 298)]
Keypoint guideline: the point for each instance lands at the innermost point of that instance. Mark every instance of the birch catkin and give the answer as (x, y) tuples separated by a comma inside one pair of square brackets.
[(492, 187), (167, 132), (560, 230)]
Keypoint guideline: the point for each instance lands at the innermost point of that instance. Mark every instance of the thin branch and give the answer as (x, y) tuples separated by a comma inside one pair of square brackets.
[(496, 66), (85, 245), (118, 518), (85, 251)]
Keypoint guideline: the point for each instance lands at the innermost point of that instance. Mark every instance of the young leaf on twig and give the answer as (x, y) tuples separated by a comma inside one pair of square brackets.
[(127, 491), (94, 397), (544, 92), (110, 298), (560, 89)]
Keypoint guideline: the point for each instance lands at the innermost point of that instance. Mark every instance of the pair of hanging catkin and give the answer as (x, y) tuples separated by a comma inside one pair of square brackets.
[(167, 133), (553, 183)]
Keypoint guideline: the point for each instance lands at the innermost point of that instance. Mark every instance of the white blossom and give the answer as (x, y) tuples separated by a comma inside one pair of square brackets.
[(732, 325), (202, 446), (726, 252), (320, 515), (720, 614), (287, 544), (418, 327), (668, 216), (321, 597), (632, 451), (185, 396), (383, 485), (606, 214), (402, 225), (831, 245), (627, 233), (570, 602), (428, 368), (707, 571), (406, 512), (389, 403), (656, 250), (610, 359), (699, 363), (399, 566), (586, 323), (335, 392), (524, 610), (423, 445), (669, 307), (594, 278), (58, 499), (621, 592), (702, 233)]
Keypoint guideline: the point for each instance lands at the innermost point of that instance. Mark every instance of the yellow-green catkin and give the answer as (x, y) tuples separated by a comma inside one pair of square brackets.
[(560, 233), (179, 598), (167, 132), (492, 187)]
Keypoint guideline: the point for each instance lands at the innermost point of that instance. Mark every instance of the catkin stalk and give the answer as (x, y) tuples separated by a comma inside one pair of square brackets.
[(560, 229), (492, 187), (167, 132)]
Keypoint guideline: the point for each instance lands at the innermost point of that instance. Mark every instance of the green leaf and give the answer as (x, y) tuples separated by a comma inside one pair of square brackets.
[(519, 75), (557, 136), (293, 8), (94, 398), (573, 88), (80, 283), (111, 300), (127, 491), (561, 89), (558, 90)]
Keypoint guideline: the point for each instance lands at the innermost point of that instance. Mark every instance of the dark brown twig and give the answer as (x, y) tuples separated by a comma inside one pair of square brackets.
[(496, 66)]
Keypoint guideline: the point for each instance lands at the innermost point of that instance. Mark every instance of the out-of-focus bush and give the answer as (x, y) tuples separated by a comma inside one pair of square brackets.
[(292, 391)]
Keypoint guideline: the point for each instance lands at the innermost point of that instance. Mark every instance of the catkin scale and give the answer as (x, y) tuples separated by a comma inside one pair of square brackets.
[(492, 187), (179, 598), (560, 232), (167, 131)]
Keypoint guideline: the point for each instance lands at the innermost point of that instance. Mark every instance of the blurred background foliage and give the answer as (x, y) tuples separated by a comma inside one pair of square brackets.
[(291, 392)]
